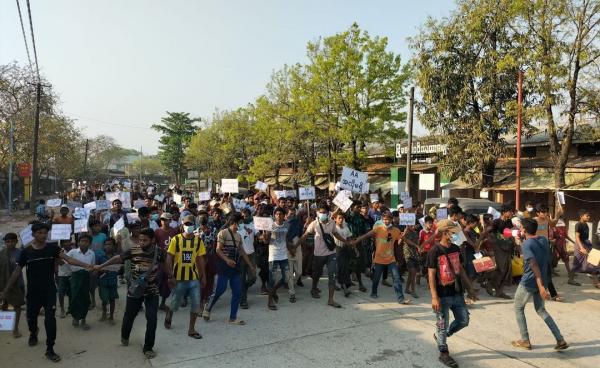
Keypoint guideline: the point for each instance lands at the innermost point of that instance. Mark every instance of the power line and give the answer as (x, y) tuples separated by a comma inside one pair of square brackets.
[(37, 68), (24, 35)]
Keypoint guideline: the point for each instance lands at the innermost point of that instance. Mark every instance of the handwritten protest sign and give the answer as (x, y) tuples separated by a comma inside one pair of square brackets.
[(263, 223), (81, 225), (139, 203), (560, 196), (492, 211), (229, 186), (177, 198), (441, 214), (60, 232), (422, 222), (407, 202), (159, 198), (306, 193), (133, 217), (55, 202), (342, 201), (426, 181), (119, 224), (125, 198), (408, 219), (354, 180), (72, 205), (290, 194), (280, 194), (204, 196), (374, 197), (90, 206), (261, 186), (102, 204), (26, 235), (7, 320), (79, 213)]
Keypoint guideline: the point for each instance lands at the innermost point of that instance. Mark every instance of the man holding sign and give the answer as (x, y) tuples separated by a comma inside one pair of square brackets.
[(40, 260)]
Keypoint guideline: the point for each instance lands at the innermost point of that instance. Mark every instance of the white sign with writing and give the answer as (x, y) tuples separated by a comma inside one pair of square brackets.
[(139, 203), (492, 211), (229, 186), (132, 217), (404, 195), (72, 204), (261, 186), (374, 197), (290, 194), (408, 219), (279, 194), (79, 213), (441, 214), (81, 226), (263, 223), (119, 224), (560, 196), (60, 232), (407, 202), (159, 198), (7, 320), (26, 235), (90, 206), (354, 180), (342, 201), (55, 202), (204, 196), (426, 181), (102, 204), (177, 198), (306, 193)]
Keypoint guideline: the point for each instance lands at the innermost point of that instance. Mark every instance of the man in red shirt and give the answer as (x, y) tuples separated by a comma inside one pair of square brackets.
[(425, 242)]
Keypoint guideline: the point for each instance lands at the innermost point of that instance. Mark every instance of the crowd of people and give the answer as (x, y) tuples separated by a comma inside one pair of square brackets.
[(178, 252)]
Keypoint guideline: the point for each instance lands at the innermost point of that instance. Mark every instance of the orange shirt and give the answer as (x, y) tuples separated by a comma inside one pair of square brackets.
[(385, 238)]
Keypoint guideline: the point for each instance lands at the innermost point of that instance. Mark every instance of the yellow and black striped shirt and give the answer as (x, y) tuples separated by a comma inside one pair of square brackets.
[(185, 252)]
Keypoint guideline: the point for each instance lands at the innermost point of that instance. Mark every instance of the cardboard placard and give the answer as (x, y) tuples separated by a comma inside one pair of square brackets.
[(306, 193), (354, 180), (81, 226), (261, 186), (408, 219), (102, 204), (204, 196), (26, 235), (593, 257), (229, 186), (441, 214), (342, 201), (54, 202), (7, 320), (263, 223), (60, 232), (139, 203)]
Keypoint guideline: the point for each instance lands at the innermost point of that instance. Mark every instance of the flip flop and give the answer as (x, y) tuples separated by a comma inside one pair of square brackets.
[(168, 317), (52, 356), (237, 322), (195, 335), (334, 304), (272, 307), (521, 344), (448, 361), (315, 294), (149, 354), (561, 345)]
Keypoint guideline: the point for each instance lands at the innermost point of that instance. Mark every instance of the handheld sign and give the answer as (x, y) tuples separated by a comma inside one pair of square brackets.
[(26, 235), (7, 320), (408, 219), (290, 194), (422, 222), (306, 193), (159, 198), (407, 202), (342, 201), (374, 197), (102, 204), (560, 196), (119, 224), (60, 232), (81, 226), (79, 213), (263, 223), (204, 196), (280, 194), (125, 198), (90, 206), (492, 211), (55, 202), (177, 198), (229, 186), (132, 217), (139, 203), (73, 205), (354, 180), (441, 214), (261, 186)]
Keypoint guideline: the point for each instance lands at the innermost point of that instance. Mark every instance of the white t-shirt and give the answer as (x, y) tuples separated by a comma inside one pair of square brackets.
[(320, 246), (247, 232), (64, 270), (278, 243), (89, 257), (344, 233)]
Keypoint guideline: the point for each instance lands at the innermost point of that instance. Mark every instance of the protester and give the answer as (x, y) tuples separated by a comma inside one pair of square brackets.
[(15, 295), (536, 253), (344, 253), (278, 245), (163, 236), (503, 252), (560, 235), (295, 231), (107, 283), (248, 233), (358, 226), (64, 279), (79, 301), (582, 248), (411, 255)]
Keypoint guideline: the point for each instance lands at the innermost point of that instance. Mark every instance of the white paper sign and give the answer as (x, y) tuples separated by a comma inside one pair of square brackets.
[(342, 201), (229, 186), (60, 232), (139, 203), (404, 195), (90, 206), (55, 202), (261, 186), (204, 196), (280, 194), (290, 193), (354, 180), (132, 217), (492, 211), (159, 198), (441, 214), (561, 197), (81, 226), (125, 198), (177, 198), (79, 213), (306, 193), (119, 224), (127, 184), (263, 223), (72, 205), (408, 219), (149, 190), (7, 320), (374, 197), (422, 222), (102, 204), (26, 235), (426, 181), (407, 202)]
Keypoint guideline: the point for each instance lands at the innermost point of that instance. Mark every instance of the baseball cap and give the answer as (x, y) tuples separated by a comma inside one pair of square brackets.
[(64, 206), (188, 218), (400, 206), (448, 225), (166, 216)]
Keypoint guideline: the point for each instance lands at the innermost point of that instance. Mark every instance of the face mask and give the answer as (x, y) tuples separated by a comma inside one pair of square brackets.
[(155, 216), (323, 217), (189, 229), (529, 209), (455, 239)]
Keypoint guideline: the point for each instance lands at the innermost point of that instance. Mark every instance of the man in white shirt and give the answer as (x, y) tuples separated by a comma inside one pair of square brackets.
[(247, 232), (278, 254), (79, 302)]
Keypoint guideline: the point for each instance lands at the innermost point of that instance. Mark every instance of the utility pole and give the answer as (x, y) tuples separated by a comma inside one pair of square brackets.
[(519, 127), (410, 137), (10, 166), (34, 165), (141, 158), (87, 147)]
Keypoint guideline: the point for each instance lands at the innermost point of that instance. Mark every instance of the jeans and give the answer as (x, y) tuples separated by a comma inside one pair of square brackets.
[(248, 279), (273, 265), (319, 262), (234, 278), (294, 270), (190, 289), (522, 296), (35, 301), (379, 269), (132, 307), (456, 304)]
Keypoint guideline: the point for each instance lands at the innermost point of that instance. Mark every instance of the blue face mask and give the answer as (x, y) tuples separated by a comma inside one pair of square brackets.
[(155, 216), (189, 229), (323, 217), (455, 239)]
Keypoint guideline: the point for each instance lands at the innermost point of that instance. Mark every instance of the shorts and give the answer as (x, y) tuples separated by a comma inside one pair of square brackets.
[(319, 262), (64, 286), (413, 264), (108, 293), (191, 289)]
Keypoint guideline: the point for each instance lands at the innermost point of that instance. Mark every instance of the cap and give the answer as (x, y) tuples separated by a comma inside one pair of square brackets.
[(64, 206), (166, 216), (188, 218), (448, 225), (400, 206), (375, 201)]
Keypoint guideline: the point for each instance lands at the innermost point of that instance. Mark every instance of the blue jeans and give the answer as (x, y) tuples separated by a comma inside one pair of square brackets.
[(379, 268), (456, 304), (234, 278), (190, 288), (522, 297), (273, 265)]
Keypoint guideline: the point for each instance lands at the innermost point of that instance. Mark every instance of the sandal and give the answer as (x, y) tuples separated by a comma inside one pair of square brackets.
[(293, 299), (521, 344), (503, 296), (206, 314), (561, 345), (168, 319), (149, 354), (52, 356), (237, 322), (334, 304), (195, 335), (405, 302), (315, 294), (362, 288), (448, 361), (272, 307), (559, 299)]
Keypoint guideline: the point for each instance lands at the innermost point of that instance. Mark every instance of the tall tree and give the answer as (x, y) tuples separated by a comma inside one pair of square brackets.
[(177, 130)]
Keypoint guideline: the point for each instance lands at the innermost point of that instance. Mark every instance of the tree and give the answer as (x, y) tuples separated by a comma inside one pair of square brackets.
[(177, 130), (149, 165)]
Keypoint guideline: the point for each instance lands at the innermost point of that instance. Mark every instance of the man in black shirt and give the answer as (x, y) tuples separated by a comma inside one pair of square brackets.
[(39, 258), (446, 279)]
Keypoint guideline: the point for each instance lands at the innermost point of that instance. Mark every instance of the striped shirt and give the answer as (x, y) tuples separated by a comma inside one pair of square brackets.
[(185, 252)]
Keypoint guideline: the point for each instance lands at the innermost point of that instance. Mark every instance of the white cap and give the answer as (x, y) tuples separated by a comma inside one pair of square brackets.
[(399, 206)]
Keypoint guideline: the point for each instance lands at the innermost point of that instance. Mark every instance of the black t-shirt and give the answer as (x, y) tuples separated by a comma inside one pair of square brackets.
[(40, 267), (500, 225), (584, 231), (437, 260)]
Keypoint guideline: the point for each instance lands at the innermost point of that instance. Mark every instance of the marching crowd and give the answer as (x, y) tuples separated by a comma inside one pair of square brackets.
[(178, 252)]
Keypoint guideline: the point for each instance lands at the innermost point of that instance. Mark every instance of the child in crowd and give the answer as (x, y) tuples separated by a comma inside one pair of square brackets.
[(79, 303), (15, 296), (411, 255), (107, 281), (64, 280)]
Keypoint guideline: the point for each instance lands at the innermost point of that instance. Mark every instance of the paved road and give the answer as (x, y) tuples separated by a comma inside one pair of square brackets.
[(366, 332)]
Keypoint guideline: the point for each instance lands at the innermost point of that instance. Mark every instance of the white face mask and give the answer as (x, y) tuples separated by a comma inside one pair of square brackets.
[(529, 209), (323, 217), (189, 229)]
